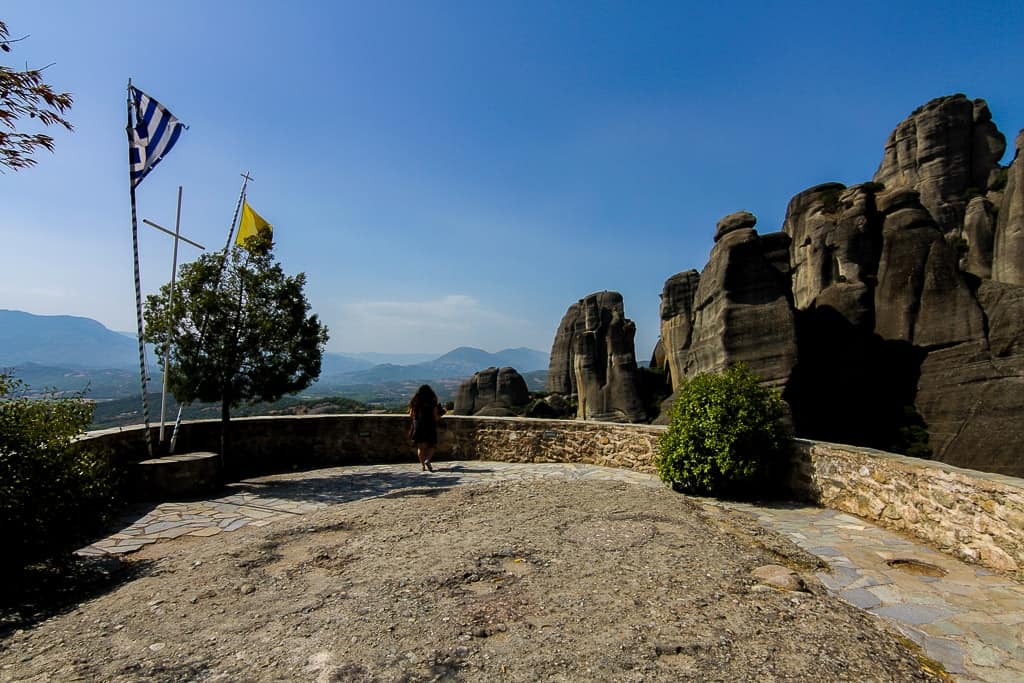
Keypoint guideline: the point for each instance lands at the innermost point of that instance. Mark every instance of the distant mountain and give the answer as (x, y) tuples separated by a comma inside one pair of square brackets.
[(457, 363), (340, 363), (69, 353), (63, 341), (393, 358)]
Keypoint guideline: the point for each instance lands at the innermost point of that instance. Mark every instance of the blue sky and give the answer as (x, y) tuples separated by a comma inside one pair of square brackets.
[(459, 173)]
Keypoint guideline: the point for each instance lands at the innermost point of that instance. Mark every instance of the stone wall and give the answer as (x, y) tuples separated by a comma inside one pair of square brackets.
[(263, 445), (518, 440), (977, 516)]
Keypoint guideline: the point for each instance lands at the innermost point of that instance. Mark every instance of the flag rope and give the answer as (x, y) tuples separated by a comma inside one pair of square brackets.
[(138, 281), (155, 132), (138, 317)]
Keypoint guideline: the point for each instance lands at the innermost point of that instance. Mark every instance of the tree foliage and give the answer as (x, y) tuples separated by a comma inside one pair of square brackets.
[(725, 433), (52, 490), (242, 330), (24, 94)]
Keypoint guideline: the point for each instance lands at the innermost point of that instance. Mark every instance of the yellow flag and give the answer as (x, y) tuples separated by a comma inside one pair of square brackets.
[(250, 224)]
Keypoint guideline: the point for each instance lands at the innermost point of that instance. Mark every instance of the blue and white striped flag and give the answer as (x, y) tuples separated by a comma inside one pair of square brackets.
[(153, 135)]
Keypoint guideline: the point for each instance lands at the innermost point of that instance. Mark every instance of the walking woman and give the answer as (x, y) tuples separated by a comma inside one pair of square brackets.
[(425, 412)]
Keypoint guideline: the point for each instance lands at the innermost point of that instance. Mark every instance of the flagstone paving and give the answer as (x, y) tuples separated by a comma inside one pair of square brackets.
[(967, 618)]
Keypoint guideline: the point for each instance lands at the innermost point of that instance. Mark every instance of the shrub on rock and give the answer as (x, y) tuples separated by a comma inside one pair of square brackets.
[(725, 434)]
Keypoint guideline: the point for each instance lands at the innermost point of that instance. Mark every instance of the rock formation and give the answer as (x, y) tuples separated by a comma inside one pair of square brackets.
[(741, 309), (942, 150), (491, 392), (593, 357), (561, 376), (835, 244), (1008, 252), (881, 303), (677, 322)]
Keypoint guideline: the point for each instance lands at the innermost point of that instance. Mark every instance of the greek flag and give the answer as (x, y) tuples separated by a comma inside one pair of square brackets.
[(152, 136)]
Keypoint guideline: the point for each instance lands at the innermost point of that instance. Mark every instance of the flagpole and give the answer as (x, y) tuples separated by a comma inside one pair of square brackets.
[(138, 283), (234, 219)]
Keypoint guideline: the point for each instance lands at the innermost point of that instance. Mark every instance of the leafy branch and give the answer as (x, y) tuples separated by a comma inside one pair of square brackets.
[(24, 94)]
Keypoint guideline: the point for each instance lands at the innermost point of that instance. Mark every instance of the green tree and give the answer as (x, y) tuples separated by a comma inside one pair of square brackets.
[(52, 490), (241, 330), (25, 94), (725, 433)]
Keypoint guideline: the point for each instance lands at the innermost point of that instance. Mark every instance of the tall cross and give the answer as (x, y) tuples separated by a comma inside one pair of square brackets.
[(174, 271)]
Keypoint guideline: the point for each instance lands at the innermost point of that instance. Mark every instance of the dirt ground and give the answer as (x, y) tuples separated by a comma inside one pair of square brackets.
[(505, 582)]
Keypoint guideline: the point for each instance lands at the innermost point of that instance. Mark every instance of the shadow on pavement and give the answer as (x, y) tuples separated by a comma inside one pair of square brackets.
[(343, 487)]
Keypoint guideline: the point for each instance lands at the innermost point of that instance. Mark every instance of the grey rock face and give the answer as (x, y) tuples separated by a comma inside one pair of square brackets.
[(1008, 251), (677, 321), (561, 375), (605, 361), (836, 237), (742, 312), (972, 394), (943, 148), (979, 233), (734, 221), (944, 338), (921, 297), (595, 339), (490, 390)]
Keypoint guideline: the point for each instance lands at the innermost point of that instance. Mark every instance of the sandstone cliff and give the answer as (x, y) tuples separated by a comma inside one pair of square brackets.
[(492, 392), (880, 301), (593, 357)]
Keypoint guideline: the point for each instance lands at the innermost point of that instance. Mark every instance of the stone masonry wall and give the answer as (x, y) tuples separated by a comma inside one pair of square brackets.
[(518, 440), (261, 445), (976, 516)]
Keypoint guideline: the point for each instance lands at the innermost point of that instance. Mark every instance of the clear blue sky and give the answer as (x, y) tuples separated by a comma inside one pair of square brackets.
[(459, 173)]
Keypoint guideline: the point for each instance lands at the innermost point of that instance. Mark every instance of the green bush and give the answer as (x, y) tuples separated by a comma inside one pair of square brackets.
[(725, 434), (52, 491)]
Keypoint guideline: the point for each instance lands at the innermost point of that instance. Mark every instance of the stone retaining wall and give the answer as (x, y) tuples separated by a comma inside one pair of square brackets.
[(974, 515), (261, 445), (977, 516)]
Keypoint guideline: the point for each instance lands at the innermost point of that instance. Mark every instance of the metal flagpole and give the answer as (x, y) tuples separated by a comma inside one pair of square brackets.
[(138, 283), (234, 219)]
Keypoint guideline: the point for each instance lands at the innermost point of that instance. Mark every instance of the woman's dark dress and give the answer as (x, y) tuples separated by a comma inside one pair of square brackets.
[(424, 427)]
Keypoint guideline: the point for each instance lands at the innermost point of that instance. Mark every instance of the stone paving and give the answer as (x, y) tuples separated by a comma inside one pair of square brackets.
[(967, 618)]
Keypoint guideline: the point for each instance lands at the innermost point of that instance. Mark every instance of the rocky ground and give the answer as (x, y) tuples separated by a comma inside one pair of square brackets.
[(513, 582)]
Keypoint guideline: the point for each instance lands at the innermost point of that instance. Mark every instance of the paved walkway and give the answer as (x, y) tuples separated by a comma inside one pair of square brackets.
[(969, 619)]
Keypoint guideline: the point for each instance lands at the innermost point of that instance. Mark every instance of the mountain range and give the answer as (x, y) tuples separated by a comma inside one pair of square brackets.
[(70, 353), (63, 341)]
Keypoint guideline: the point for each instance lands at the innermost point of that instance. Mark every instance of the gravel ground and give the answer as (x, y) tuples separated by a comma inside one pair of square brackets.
[(510, 581)]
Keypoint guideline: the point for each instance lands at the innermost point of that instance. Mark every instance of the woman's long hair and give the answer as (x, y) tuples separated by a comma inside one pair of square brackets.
[(424, 400)]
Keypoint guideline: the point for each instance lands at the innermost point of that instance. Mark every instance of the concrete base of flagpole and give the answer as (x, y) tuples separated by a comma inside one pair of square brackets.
[(187, 475)]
